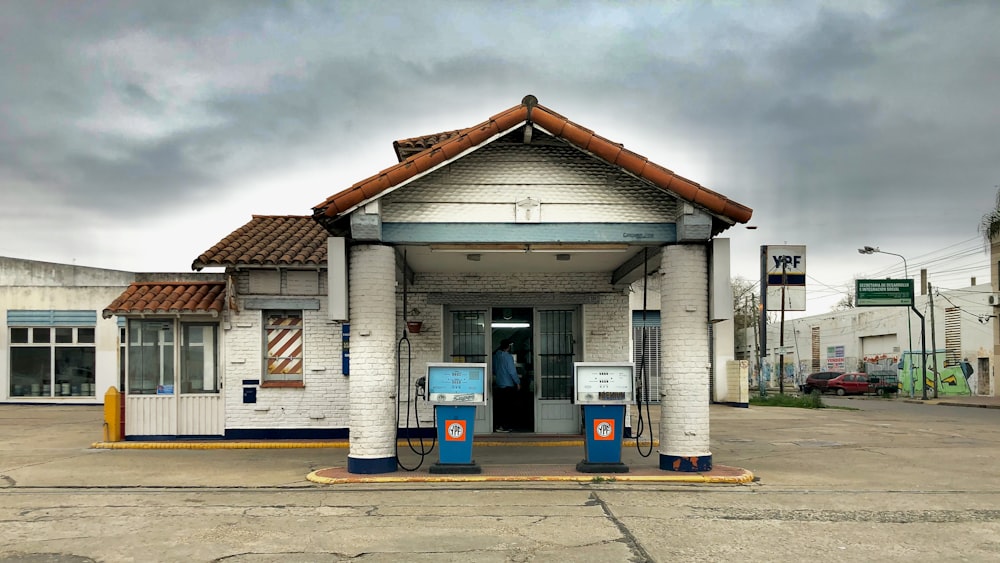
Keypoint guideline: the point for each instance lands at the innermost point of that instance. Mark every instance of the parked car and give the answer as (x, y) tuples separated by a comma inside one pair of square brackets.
[(817, 381), (851, 383), (883, 383)]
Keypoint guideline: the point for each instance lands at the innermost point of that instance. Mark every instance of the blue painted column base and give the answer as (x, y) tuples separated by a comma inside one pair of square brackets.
[(686, 464), (369, 466)]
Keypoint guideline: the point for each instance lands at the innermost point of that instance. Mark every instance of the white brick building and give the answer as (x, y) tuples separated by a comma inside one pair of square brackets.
[(526, 227)]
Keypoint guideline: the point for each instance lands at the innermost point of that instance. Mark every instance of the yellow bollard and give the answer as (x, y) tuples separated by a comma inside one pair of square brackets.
[(112, 415)]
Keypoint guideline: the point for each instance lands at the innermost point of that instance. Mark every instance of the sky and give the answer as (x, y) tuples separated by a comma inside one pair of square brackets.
[(135, 135)]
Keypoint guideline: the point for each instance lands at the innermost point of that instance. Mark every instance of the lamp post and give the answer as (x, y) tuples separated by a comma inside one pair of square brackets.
[(909, 330)]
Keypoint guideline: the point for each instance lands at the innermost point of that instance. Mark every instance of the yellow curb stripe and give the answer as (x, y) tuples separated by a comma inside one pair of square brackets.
[(744, 478), (230, 445), (215, 445)]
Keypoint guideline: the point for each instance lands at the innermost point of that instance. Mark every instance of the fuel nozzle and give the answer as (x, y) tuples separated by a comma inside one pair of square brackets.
[(422, 387)]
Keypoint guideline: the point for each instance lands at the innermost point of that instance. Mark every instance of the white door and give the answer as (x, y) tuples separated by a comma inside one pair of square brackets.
[(556, 348), (150, 399), (200, 406)]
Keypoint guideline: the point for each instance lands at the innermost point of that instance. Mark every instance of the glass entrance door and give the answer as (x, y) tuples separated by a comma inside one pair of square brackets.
[(544, 346)]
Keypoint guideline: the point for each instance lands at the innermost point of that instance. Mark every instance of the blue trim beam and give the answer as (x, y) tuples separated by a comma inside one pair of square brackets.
[(429, 233)]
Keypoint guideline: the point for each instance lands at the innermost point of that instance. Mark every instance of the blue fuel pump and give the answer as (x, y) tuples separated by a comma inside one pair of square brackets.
[(604, 389), (455, 389)]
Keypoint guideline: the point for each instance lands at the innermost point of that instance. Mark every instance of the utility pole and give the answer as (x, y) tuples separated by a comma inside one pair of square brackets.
[(781, 337), (936, 370)]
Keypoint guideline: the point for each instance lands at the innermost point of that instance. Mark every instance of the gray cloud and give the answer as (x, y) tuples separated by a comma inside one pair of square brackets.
[(826, 117)]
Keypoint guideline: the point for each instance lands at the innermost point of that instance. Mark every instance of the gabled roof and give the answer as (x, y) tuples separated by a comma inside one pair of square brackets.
[(450, 145), (269, 240), (168, 298)]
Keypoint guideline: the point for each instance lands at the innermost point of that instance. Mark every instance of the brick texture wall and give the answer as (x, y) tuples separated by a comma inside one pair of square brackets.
[(373, 356), (322, 403), (684, 371)]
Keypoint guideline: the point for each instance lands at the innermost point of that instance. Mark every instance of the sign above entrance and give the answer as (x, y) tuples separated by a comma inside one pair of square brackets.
[(883, 293)]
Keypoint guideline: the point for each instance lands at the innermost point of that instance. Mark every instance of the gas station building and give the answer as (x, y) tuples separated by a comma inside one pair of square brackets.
[(527, 227)]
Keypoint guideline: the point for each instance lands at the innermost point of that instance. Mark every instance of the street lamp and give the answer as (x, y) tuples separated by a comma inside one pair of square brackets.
[(909, 330)]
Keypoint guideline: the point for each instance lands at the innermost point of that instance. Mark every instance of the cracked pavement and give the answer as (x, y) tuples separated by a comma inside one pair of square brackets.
[(889, 481)]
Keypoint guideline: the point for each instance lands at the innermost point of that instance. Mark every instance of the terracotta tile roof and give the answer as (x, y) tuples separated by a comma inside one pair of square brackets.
[(449, 147), (162, 298), (269, 240), (406, 148)]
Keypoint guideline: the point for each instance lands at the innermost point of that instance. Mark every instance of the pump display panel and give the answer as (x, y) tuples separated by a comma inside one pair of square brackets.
[(600, 383), (456, 384)]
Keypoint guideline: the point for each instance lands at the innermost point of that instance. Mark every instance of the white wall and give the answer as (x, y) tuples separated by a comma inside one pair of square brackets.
[(33, 285)]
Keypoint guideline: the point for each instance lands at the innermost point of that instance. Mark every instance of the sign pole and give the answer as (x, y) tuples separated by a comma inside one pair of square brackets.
[(894, 293), (762, 321), (781, 337)]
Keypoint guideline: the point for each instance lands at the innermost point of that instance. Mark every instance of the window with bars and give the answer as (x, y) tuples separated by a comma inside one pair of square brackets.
[(555, 354), (468, 336)]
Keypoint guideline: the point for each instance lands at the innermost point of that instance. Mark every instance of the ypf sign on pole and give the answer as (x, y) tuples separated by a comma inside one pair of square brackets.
[(786, 276)]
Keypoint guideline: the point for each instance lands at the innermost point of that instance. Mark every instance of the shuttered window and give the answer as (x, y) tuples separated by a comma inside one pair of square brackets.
[(646, 353), (283, 341)]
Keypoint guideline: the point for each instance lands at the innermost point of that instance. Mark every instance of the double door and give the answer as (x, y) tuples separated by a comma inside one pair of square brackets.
[(545, 345)]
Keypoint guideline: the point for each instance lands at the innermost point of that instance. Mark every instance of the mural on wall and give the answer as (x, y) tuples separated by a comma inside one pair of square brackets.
[(951, 380)]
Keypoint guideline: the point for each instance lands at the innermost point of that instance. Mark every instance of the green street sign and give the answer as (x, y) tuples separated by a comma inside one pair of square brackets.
[(883, 293)]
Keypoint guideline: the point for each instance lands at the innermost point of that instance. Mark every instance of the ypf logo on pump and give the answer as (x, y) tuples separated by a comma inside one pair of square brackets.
[(454, 430), (604, 429)]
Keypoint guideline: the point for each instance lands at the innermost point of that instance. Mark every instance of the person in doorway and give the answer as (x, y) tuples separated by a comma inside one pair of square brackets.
[(508, 384)]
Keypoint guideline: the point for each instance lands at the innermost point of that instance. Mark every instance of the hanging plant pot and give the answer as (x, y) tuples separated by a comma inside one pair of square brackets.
[(414, 326)]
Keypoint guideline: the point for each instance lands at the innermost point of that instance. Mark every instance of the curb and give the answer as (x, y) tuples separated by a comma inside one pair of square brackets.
[(948, 403), (720, 475)]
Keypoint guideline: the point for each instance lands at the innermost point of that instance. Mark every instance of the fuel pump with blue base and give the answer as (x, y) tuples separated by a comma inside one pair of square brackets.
[(604, 389), (456, 389)]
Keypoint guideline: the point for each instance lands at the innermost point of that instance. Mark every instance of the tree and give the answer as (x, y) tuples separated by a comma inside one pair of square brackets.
[(745, 311), (847, 301), (989, 227)]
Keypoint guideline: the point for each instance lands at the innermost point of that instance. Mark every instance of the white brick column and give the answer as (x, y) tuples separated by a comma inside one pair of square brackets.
[(373, 359), (684, 363)]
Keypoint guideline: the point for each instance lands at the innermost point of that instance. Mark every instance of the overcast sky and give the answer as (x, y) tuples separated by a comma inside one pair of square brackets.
[(135, 135)]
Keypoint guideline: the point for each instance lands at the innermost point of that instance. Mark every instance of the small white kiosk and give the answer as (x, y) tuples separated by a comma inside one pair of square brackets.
[(603, 389)]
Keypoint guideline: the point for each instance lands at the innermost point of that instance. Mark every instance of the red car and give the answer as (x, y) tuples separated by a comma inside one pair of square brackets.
[(817, 381), (852, 383)]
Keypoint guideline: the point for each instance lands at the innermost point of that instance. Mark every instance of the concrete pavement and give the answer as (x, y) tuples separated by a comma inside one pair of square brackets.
[(513, 457), (885, 480)]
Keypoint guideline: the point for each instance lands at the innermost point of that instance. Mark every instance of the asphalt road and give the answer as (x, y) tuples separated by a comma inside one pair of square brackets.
[(891, 481)]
